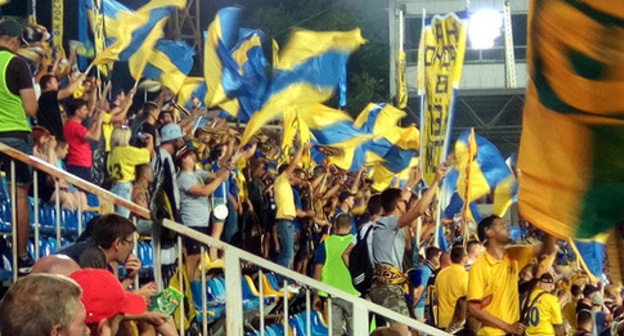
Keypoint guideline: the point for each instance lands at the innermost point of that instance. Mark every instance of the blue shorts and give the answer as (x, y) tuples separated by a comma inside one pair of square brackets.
[(23, 172)]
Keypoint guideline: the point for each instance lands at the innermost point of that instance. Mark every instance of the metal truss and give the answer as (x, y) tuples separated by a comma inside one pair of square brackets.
[(185, 25), (498, 118)]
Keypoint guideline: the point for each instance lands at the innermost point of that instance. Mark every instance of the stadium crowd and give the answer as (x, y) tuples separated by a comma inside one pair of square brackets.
[(189, 166)]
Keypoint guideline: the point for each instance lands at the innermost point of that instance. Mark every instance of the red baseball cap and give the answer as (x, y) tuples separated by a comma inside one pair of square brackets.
[(104, 297)]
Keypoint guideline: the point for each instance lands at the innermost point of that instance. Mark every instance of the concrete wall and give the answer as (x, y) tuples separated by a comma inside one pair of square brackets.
[(445, 6), (478, 76)]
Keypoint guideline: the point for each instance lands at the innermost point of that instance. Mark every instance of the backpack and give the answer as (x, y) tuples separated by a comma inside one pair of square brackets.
[(360, 265)]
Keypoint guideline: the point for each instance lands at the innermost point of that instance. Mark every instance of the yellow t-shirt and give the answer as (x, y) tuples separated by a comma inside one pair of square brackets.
[(107, 130), (569, 312), (499, 278), (543, 314), (451, 284), (122, 160), (284, 199)]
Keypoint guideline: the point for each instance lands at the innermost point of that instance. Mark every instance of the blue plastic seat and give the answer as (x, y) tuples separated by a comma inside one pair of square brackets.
[(53, 245), (44, 248), (316, 324), (296, 326), (31, 248), (149, 254), (277, 329), (273, 281)]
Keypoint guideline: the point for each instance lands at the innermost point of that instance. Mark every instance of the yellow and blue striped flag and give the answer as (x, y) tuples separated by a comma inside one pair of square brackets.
[(382, 120), (309, 70), (139, 59), (590, 254), (452, 203), (220, 70), (480, 165), (378, 119), (334, 128), (134, 30), (193, 87), (170, 62), (251, 64), (329, 126)]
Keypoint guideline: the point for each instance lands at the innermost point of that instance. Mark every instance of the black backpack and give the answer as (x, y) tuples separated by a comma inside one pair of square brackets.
[(360, 266)]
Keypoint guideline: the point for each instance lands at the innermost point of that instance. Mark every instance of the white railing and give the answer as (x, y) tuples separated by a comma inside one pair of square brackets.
[(234, 314)]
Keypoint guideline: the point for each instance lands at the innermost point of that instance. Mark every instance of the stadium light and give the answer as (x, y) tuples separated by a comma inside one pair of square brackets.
[(484, 27)]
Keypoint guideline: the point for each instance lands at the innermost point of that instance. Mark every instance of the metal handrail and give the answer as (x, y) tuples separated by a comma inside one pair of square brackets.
[(53, 171), (233, 257)]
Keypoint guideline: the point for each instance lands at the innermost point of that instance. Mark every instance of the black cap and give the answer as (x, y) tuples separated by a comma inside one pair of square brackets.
[(10, 27), (547, 278)]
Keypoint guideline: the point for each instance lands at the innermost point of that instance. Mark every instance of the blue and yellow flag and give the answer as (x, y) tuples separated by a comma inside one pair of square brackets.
[(452, 203), (381, 120), (353, 152), (334, 128), (329, 126), (309, 70), (342, 88), (378, 119), (170, 62), (193, 87), (134, 30), (220, 69), (251, 64), (112, 14), (590, 254), (480, 165), (139, 59), (444, 43)]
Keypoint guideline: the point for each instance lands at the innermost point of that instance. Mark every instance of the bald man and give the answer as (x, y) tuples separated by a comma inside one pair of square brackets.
[(56, 264)]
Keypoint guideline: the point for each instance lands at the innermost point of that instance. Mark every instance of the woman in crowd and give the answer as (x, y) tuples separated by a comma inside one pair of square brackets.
[(45, 148), (122, 161)]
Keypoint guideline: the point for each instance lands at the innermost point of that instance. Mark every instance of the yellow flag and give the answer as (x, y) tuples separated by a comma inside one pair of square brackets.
[(401, 96)]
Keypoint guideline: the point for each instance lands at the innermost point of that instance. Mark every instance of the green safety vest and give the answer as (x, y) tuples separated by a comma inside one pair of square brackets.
[(335, 273), (12, 113)]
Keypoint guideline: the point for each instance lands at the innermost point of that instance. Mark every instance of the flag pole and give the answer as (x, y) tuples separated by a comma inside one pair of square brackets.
[(89, 67), (421, 69), (467, 188)]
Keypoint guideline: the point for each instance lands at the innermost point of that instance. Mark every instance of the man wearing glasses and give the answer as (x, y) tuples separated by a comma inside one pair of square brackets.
[(389, 245), (112, 240)]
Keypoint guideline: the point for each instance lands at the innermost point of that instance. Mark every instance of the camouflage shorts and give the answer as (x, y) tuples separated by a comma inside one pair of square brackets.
[(389, 296)]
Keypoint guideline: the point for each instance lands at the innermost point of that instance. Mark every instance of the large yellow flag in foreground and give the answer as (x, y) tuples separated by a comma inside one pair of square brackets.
[(571, 157)]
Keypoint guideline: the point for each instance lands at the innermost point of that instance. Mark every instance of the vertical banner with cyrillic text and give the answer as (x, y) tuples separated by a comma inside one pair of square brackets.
[(57, 26), (443, 45)]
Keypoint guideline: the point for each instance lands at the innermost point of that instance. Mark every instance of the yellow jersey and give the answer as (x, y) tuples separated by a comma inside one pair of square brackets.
[(122, 160), (450, 284), (543, 314), (284, 199), (498, 278)]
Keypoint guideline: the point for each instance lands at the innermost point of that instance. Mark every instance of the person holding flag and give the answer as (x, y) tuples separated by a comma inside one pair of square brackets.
[(494, 278)]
